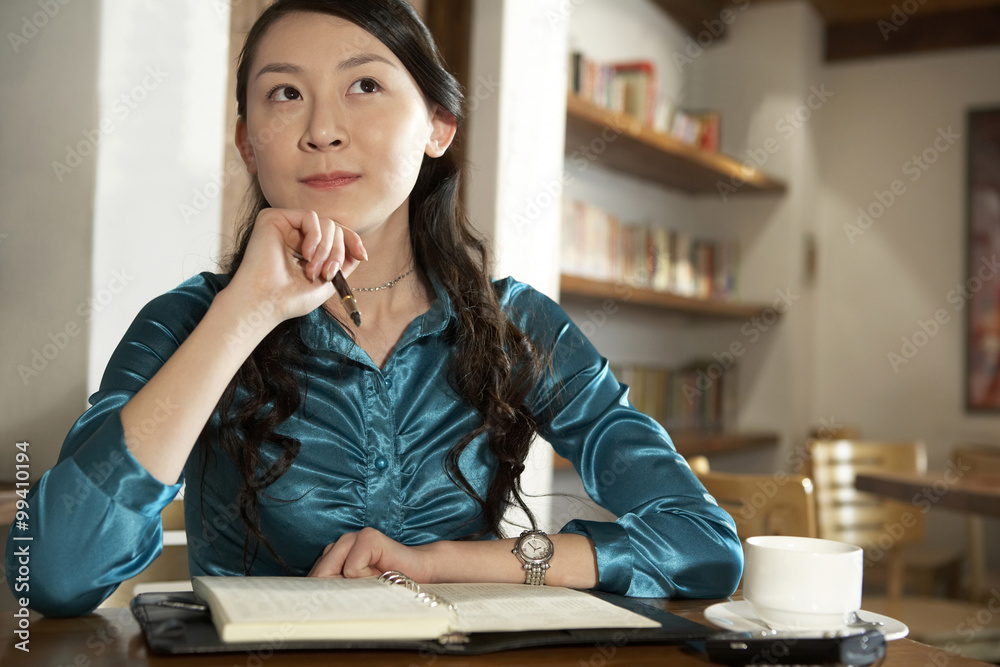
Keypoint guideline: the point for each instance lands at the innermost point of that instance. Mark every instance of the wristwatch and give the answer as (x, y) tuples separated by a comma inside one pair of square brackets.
[(534, 549)]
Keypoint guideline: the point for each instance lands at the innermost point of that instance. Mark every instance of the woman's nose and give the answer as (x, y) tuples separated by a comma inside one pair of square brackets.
[(325, 130)]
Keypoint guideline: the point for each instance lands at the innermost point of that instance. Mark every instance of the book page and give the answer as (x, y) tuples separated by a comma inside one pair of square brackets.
[(321, 608), (516, 607)]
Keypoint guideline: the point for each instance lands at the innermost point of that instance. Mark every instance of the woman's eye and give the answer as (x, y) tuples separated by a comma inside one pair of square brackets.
[(283, 94), (365, 86)]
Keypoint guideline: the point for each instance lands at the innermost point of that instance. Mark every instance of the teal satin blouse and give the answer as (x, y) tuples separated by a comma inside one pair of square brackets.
[(373, 449)]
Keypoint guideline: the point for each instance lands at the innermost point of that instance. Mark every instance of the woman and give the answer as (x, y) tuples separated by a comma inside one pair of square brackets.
[(311, 446)]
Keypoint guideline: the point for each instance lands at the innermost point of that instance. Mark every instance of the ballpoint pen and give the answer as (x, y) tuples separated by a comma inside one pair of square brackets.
[(344, 292), (347, 298)]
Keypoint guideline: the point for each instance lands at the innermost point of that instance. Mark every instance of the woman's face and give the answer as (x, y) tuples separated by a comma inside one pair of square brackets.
[(335, 123)]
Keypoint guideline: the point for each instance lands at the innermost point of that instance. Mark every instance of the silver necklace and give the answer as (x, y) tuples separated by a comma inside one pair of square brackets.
[(381, 287)]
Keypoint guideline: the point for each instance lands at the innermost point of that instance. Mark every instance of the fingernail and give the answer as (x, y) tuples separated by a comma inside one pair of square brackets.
[(332, 271), (365, 252)]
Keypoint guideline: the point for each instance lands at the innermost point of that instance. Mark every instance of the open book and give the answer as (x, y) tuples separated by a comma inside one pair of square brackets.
[(252, 609)]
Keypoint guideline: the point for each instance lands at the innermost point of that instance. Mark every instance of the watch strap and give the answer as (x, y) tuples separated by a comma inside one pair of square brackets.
[(535, 574)]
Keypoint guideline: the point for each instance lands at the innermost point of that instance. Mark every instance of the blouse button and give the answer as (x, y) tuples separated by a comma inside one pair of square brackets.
[(381, 463), (388, 383)]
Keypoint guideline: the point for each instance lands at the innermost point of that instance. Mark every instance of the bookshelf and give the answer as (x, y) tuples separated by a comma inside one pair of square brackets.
[(621, 142), (640, 151)]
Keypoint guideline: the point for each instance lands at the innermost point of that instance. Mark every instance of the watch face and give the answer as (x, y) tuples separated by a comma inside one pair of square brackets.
[(536, 548)]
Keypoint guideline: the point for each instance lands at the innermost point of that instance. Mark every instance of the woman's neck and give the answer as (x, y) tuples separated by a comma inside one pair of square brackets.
[(390, 255)]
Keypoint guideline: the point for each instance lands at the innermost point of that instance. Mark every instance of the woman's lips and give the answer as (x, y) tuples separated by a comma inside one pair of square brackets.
[(324, 183)]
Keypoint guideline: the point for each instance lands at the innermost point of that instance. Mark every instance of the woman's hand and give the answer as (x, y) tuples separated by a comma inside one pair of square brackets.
[(281, 285), (370, 553)]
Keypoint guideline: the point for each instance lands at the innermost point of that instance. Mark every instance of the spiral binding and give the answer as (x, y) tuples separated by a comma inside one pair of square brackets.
[(397, 578)]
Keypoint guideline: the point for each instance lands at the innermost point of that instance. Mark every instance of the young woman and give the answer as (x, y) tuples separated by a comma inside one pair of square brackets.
[(311, 446)]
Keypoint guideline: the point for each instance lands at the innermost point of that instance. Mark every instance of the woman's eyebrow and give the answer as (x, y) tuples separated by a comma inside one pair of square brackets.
[(283, 68), (353, 61), (361, 59)]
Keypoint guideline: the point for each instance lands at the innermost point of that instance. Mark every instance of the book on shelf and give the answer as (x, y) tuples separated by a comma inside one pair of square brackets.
[(698, 396), (392, 612), (597, 245), (704, 269), (662, 239), (698, 129), (631, 87), (624, 87), (638, 78), (683, 272)]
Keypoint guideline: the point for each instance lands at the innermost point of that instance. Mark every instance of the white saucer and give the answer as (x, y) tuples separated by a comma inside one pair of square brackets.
[(739, 617)]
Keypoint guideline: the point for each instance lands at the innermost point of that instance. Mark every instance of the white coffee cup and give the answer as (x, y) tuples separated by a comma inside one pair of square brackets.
[(802, 583)]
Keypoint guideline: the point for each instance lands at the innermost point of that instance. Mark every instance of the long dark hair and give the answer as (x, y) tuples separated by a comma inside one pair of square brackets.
[(493, 365)]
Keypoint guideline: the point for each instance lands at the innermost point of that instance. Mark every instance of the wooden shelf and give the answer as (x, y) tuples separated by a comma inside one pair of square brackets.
[(620, 141), (576, 286), (693, 443)]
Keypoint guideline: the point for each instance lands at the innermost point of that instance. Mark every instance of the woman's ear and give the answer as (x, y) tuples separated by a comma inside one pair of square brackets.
[(444, 126), (245, 147)]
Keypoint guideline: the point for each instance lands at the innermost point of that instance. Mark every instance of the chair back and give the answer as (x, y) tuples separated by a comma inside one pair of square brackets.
[(778, 504), (977, 458), (699, 464), (867, 520)]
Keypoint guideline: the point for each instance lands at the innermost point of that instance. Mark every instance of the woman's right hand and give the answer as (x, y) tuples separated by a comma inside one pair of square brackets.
[(273, 278)]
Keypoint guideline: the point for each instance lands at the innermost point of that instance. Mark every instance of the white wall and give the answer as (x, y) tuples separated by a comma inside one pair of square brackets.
[(878, 285), (50, 99), (158, 206)]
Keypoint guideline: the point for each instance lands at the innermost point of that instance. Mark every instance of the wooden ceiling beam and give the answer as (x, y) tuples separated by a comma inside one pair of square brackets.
[(836, 12), (698, 16), (901, 33)]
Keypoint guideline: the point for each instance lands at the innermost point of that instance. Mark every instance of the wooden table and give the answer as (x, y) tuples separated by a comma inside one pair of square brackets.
[(974, 493), (111, 637)]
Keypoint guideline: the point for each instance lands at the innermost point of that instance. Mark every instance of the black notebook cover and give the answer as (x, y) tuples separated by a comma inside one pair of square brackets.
[(174, 631)]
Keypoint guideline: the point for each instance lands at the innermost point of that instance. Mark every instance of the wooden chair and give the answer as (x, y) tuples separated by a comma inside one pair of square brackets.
[(777, 504), (699, 464), (971, 458), (169, 569), (889, 531), (883, 527)]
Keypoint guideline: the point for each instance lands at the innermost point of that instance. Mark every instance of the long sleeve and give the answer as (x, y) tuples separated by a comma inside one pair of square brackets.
[(670, 539), (95, 516)]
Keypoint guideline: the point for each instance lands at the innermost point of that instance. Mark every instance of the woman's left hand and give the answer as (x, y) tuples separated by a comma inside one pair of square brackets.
[(370, 553)]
